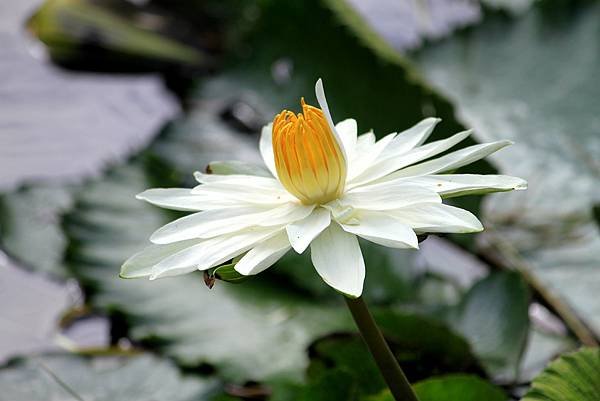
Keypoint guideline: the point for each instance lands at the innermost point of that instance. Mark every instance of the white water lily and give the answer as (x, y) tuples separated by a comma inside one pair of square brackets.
[(325, 187)]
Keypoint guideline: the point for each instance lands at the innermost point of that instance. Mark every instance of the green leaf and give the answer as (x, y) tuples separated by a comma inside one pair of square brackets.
[(542, 347), (493, 316), (336, 384), (30, 226), (458, 387), (252, 331), (451, 388), (572, 377), (551, 115), (405, 26), (66, 25), (102, 378), (228, 274), (423, 347)]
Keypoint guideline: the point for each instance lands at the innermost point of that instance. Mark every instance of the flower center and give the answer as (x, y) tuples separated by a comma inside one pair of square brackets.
[(308, 158)]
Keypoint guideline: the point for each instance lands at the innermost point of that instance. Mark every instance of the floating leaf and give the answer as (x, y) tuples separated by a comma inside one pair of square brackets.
[(451, 388), (572, 377), (102, 378), (423, 347), (495, 309), (30, 228), (458, 387)]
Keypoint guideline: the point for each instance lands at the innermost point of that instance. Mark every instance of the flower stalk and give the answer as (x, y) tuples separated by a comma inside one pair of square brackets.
[(386, 361)]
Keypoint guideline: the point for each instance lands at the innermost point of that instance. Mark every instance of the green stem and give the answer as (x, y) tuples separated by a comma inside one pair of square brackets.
[(386, 361)]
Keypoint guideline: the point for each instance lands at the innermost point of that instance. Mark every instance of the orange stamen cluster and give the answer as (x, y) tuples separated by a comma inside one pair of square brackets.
[(308, 157)]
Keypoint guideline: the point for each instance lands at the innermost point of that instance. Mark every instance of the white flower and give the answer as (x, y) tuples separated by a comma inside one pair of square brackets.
[(328, 187)]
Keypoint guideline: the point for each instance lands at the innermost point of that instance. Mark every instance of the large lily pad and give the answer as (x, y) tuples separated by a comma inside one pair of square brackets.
[(63, 125), (525, 80), (32, 307), (70, 377)]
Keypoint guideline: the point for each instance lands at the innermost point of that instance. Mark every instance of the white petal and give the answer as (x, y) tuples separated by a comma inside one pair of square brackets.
[(438, 218), (320, 92), (173, 198), (365, 141), (213, 223), (233, 196), (238, 179), (451, 185), (141, 264), (264, 255), (384, 230), (452, 160), (388, 162), (211, 252), (302, 232), (228, 167), (386, 196), (337, 258), (366, 156), (348, 131), (412, 137), (266, 148)]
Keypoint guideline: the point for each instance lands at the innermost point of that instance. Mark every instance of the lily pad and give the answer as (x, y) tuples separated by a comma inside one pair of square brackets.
[(102, 378), (552, 115), (32, 307), (30, 226), (458, 387), (45, 110), (495, 309), (407, 25), (572, 377), (451, 388)]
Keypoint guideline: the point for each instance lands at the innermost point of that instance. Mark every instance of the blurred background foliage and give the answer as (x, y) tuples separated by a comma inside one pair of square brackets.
[(469, 317)]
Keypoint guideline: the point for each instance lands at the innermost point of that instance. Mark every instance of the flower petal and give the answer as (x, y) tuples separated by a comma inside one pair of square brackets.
[(241, 190), (213, 223), (266, 148), (386, 196), (141, 264), (211, 252), (302, 232), (230, 167), (320, 93), (173, 198), (348, 131), (264, 255), (412, 137), (337, 258), (388, 162), (365, 141), (452, 185), (451, 161), (367, 155), (238, 179), (437, 218), (383, 229)]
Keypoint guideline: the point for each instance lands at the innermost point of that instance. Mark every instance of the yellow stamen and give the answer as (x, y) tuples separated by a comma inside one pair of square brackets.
[(308, 158)]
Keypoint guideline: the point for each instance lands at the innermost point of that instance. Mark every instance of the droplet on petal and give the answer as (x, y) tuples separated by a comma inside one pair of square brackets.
[(308, 158)]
